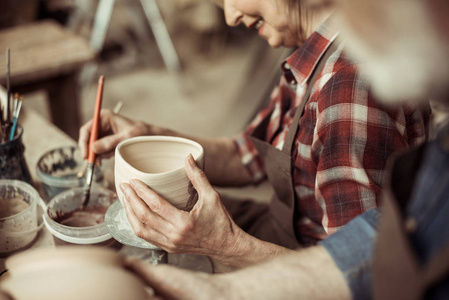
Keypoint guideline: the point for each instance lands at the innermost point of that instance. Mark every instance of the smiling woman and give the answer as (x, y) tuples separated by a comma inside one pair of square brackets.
[(282, 23), (322, 142)]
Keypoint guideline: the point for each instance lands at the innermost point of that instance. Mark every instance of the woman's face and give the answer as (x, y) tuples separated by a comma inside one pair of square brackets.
[(269, 17)]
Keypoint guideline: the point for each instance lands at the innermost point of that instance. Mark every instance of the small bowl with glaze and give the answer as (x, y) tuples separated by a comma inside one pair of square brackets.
[(159, 162), (72, 224), (58, 170)]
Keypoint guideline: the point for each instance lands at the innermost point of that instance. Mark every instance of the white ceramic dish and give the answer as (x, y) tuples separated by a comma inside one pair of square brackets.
[(71, 273), (159, 162)]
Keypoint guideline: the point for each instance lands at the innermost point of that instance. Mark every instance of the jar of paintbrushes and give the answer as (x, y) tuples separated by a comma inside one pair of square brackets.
[(12, 160)]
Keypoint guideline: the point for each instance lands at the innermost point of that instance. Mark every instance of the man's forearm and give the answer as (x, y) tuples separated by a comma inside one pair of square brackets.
[(304, 274), (245, 250)]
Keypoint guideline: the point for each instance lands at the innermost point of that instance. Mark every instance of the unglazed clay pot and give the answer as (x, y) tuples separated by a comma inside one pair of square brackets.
[(71, 273), (159, 162)]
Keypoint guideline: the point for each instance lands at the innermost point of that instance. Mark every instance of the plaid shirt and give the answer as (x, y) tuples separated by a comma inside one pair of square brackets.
[(344, 140)]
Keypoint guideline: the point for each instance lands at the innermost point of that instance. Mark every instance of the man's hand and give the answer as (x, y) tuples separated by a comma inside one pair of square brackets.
[(207, 229), (113, 129), (172, 283)]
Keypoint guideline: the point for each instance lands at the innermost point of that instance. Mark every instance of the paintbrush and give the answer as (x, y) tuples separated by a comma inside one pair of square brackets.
[(116, 111), (15, 115), (93, 137), (8, 89)]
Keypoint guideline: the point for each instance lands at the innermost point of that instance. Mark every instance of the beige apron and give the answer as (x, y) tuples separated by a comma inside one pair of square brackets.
[(397, 273), (275, 222)]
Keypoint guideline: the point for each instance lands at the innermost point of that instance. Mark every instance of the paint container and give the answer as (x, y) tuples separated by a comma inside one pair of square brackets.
[(12, 161), (70, 223), (58, 171), (18, 215)]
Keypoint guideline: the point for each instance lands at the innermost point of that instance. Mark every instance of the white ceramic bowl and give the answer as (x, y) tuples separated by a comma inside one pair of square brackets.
[(71, 273), (159, 162)]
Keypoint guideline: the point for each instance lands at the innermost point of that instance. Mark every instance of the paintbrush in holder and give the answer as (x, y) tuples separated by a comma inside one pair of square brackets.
[(12, 160)]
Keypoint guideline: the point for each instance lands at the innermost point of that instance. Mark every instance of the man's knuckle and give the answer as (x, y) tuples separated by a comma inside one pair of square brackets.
[(176, 240), (139, 232), (144, 218), (212, 195), (186, 227), (154, 205)]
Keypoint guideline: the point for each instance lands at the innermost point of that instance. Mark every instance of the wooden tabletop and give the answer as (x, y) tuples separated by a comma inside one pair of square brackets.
[(41, 50)]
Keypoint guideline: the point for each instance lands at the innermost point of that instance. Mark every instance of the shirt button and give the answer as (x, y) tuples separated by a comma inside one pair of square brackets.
[(411, 224), (286, 66), (293, 82)]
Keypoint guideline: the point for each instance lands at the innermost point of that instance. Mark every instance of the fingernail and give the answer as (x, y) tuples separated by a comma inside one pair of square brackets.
[(190, 159)]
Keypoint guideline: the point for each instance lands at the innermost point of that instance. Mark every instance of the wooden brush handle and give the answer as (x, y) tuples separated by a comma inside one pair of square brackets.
[(95, 121)]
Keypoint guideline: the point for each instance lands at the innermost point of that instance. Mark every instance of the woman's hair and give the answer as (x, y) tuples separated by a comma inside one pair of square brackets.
[(301, 16), (292, 4)]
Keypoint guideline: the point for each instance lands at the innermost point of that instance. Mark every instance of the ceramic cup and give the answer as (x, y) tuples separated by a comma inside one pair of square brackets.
[(159, 162), (71, 273)]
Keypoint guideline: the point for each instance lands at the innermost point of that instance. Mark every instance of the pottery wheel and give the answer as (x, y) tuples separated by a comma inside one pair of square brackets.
[(120, 228)]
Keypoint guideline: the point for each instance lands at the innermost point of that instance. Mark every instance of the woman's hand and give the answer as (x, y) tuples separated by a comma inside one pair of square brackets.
[(113, 129), (207, 229)]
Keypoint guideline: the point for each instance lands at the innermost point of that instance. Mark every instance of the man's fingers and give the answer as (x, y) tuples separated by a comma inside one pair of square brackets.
[(177, 287), (156, 203), (140, 209), (198, 177), (107, 144), (141, 230)]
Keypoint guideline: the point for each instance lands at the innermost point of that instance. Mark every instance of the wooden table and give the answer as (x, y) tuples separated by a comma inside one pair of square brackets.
[(40, 136), (45, 55)]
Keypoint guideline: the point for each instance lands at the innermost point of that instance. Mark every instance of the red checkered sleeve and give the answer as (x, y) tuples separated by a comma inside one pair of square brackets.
[(353, 137)]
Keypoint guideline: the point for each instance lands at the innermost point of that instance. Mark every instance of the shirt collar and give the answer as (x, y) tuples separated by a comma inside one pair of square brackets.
[(304, 60)]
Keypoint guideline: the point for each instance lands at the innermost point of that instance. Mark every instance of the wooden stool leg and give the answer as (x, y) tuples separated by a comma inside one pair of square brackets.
[(64, 100)]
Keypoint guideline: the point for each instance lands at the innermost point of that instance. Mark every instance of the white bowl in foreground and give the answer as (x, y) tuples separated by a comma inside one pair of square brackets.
[(159, 162), (71, 273)]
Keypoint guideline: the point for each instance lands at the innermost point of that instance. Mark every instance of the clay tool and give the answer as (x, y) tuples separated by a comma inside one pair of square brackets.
[(93, 137), (15, 115)]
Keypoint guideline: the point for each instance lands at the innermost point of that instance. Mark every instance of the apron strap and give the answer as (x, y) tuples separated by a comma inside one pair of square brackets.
[(437, 269), (291, 134), (427, 111)]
